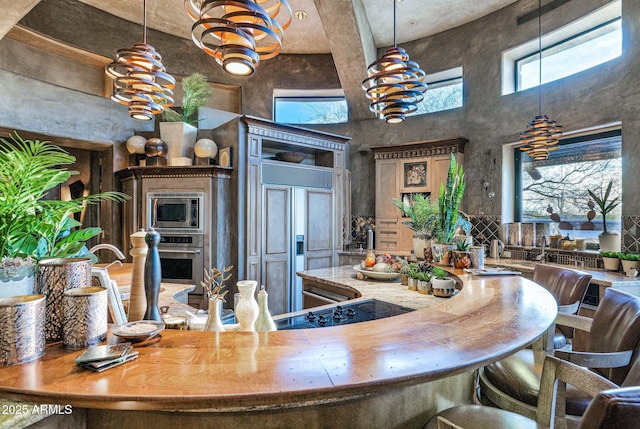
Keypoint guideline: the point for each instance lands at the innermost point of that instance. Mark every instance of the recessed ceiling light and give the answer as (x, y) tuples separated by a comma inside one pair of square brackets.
[(300, 14)]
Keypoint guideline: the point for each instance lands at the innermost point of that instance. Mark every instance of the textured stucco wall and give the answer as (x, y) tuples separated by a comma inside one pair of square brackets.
[(602, 95)]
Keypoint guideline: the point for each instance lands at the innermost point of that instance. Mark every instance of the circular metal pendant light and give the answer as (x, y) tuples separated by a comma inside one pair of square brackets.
[(542, 134), (239, 33), (394, 84), (140, 80)]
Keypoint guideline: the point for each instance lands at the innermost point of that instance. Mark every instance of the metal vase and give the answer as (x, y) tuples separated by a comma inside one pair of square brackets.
[(22, 321), (54, 277), (85, 317)]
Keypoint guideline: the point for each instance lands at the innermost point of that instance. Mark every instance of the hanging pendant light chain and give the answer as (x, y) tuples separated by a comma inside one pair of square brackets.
[(144, 22), (542, 134), (394, 24), (539, 57)]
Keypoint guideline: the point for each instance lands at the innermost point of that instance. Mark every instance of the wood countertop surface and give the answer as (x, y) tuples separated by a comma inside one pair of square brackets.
[(489, 319)]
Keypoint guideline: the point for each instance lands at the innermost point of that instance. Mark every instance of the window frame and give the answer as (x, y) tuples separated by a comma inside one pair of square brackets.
[(440, 80), (517, 165), (516, 71), (309, 95)]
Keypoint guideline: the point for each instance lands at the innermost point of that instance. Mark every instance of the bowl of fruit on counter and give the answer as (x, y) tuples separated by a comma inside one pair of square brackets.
[(381, 267)]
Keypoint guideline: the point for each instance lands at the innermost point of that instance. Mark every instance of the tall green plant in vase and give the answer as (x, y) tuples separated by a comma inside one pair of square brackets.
[(422, 216), (449, 219), (180, 130), (609, 240)]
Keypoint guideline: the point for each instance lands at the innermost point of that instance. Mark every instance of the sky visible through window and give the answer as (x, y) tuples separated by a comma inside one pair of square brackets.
[(311, 110), (572, 56)]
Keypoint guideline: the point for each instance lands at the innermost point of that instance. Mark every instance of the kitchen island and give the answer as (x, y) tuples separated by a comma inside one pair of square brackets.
[(391, 372)]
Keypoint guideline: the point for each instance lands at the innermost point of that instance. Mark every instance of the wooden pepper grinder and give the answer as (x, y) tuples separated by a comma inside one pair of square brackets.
[(152, 276), (137, 294)]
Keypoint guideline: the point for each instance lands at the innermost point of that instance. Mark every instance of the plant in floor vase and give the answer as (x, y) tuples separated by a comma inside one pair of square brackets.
[(442, 284), (423, 217), (611, 260), (213, 284), (609, 240), (449, 219)]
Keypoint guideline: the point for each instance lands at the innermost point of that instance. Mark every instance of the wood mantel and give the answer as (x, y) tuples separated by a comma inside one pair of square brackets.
[(284, 371)]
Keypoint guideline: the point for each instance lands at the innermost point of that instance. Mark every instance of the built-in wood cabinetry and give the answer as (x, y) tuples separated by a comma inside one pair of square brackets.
[(199, 249), (401, 172), (292, 216)]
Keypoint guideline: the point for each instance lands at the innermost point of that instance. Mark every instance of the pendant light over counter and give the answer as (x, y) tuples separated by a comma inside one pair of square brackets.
[(542, 134), (239, 33), (140, 81), (394, 84)]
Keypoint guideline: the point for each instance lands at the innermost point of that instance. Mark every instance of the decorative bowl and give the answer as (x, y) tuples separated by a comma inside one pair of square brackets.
[(296, 157), (139, 331), (377, 275)]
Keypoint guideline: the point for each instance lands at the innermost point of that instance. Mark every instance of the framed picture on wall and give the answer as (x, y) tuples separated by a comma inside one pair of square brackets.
[(415, 174)]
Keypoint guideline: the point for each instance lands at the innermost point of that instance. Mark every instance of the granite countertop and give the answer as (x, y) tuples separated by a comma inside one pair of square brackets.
[(390, 291), (600, 277)]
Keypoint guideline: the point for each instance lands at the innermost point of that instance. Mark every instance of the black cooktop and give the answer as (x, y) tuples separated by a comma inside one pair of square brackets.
[(343, 314)]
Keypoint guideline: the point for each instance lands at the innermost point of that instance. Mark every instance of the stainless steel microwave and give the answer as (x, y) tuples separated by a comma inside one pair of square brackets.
[(176, 212)]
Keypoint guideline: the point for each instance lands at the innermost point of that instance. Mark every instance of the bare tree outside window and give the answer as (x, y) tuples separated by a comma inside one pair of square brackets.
[(558, 186)]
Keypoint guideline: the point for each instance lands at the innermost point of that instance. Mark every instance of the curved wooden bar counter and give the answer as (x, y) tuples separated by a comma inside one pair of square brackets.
[(297, 370)]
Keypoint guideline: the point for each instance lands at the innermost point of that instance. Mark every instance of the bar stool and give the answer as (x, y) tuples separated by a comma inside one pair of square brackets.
[(612, 407), (568, 286), (614, 339)]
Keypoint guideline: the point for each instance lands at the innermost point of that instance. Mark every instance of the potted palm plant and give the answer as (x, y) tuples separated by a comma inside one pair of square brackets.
[(449, 219), (32, 228), (179, 131), (609, 240), (423, 217)]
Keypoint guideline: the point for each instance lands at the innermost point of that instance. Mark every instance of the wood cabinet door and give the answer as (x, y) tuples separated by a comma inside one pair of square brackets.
[(388, 177), (276, 246)]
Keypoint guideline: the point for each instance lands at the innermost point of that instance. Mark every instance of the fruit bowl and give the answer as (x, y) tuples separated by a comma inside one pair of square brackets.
[(376, 275)]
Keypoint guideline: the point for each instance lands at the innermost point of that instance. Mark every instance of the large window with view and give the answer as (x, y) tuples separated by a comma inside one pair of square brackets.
[(444, 92), (588, 42), (578, 53), (309, 107), (555, 191)]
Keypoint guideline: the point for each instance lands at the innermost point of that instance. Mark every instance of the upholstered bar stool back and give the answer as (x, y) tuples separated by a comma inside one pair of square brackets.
[(513, 383), (568, 286)]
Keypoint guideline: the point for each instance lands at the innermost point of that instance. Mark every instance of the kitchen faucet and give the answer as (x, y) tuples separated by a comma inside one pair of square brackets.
[(111, 247), (542, 256)]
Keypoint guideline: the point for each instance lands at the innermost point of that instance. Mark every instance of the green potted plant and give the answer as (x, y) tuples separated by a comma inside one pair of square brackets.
[(32, 228), (461, 258), (423, 218), (442, 284), (405, 270), (424, 279), (609, 240), (449, 219), (179, 131), (629, 261), (611, 260), (412, 281)]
